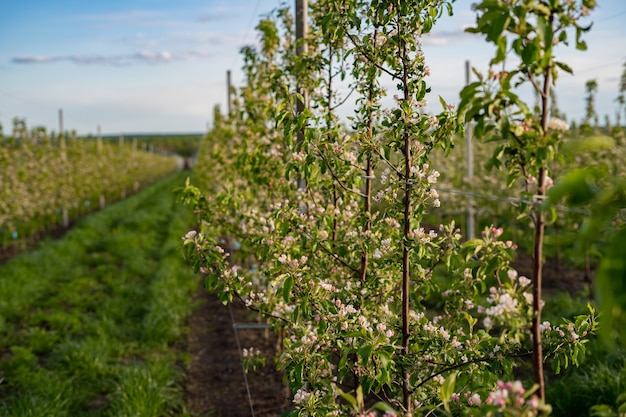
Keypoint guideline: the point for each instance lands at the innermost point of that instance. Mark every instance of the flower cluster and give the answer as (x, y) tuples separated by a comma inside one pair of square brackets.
[(558, 125), (511, 397)]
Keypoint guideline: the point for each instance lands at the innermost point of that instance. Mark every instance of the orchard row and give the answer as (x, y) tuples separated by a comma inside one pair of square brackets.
[(326, 230), (47, 182)]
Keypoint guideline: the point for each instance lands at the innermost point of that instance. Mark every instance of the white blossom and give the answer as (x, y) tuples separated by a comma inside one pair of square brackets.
[(301, 396)]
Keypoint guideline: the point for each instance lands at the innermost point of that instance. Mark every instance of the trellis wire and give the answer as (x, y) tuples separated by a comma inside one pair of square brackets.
[(243, 368), (513, 200)]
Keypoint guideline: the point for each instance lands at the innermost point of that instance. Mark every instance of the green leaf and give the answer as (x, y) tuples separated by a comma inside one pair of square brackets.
[(492, 265), (472, 242), (471, 321), (385, 374), (348, 397), (359, 398), (564, 66), (381, 406), (580, 44), (610, 285), (447, 389), (601, 410), (497, 26), (541, 10), (343, 361), (444, 105), (530, 53), (365, 352), (501, 51), (575, 187), (287, 287)]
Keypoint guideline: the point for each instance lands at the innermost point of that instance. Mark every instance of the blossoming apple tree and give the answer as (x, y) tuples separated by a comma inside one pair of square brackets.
[(531, 31), (380, 312)]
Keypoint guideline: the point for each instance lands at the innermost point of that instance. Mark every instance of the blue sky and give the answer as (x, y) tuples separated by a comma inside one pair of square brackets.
[(159, 65)]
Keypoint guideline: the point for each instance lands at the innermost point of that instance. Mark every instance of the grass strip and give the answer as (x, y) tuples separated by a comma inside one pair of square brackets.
[(88, 323)]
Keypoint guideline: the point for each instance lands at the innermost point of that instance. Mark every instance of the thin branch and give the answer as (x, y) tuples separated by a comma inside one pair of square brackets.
[(344, 99), (385, 160), (534, 83), (366, 55), (256, 310), (460, 365), (338, 259), (341, 184)]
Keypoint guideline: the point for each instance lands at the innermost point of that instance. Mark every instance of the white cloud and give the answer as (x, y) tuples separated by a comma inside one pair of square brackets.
[(145, 57), (444, 37), (35, 59)]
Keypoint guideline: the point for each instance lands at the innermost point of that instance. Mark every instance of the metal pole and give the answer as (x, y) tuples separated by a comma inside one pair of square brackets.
[(471, 221)]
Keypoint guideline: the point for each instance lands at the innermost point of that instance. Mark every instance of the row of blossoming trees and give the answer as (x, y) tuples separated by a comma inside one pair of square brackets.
[(380, 312), (490, 193), (46, 181)]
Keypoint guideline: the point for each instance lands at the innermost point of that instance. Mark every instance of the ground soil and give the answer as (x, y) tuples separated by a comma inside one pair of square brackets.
[(215, 384), (557, 276)]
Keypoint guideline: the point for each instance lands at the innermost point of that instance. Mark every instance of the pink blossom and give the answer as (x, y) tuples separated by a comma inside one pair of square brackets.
[(474, 400)]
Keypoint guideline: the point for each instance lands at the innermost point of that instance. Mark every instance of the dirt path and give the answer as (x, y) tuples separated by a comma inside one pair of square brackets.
[(215, 383)]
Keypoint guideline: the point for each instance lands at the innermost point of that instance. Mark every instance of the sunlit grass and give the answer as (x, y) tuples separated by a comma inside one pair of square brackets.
[(87, 323), (147, 389)]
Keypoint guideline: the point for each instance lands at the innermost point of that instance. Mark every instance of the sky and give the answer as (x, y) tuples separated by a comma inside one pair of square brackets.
[(159, 66)]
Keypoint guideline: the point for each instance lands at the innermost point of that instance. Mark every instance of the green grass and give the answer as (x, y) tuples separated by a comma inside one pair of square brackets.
[(600, 379), (89, 323)]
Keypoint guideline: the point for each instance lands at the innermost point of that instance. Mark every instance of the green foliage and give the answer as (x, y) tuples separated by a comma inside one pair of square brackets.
[(89, 319), (605, 198), (47, 181), (594, 387), (185, 145), (591, 88), (528, 139), (322, 230), (611, 288)]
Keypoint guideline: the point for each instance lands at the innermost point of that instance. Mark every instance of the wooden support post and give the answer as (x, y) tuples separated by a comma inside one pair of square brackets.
[(471, 215), (229, 105), (62, 137), (99, 139), (66, 218)]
